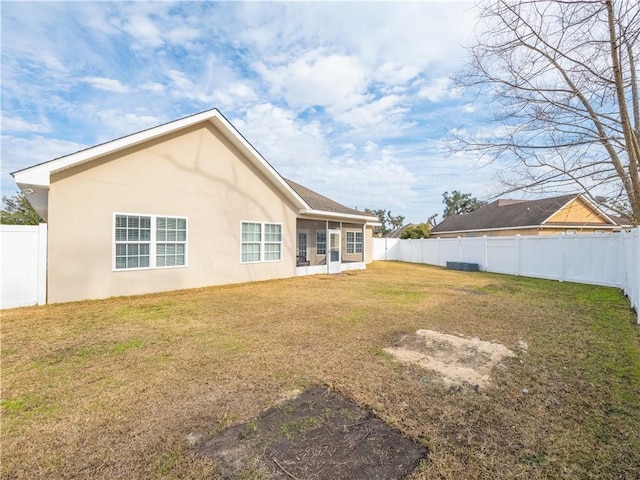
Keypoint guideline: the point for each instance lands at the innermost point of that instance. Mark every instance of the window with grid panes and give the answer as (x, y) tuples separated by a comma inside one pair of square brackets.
[(132, 241), (261, 242), (171, 241), (321, 242), (251, 241), (354, 242), (149, 241)]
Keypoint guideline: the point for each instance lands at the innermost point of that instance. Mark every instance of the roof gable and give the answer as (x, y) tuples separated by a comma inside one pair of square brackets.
[(502, 214), (36, 179)]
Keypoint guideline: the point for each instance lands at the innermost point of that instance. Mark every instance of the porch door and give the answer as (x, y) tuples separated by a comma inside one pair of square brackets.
[(333, 257), (302, 248)]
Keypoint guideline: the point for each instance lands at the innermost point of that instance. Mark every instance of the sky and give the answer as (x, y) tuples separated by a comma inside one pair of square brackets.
[(351, 99)]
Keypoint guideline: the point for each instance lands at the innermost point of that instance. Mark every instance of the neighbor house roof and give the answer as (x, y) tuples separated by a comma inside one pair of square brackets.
[(516, 214), (35, 180)]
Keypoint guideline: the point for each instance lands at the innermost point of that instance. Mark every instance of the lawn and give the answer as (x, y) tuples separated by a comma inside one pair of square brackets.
[(123, 388)]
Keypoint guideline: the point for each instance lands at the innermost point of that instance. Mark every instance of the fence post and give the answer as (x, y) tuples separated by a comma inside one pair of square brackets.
[(636, 247), (561, 279), (518, 255), (42, 264), (486, 253)]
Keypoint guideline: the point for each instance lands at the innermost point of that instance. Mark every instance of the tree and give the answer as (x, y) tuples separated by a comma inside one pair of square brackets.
[(422, 230), (17, 210), (458, 203), (388, 221), (563, 75)]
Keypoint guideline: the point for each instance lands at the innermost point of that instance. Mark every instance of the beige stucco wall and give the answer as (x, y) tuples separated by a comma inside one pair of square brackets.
[(195, 173), (368, 246)]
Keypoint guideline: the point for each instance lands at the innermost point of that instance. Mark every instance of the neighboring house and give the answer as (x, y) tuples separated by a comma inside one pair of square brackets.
[(566, 214), (397, 233), (182, 205)]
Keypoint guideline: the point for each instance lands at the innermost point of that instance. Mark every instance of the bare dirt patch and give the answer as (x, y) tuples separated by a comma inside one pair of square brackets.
[(459, 360), (318, 435)]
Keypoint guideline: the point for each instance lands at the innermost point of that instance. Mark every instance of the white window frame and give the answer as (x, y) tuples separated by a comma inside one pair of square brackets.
[(152, 242), (263, 242), (318, 242), (353, 244)]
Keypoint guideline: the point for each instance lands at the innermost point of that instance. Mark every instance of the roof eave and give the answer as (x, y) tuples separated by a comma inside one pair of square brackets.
[(337, 215)]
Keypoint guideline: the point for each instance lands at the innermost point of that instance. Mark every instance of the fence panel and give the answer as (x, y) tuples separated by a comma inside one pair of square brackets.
[(541, 256), (595, 261), (501, 255), (473, 251), (23, 252), (449, 251)]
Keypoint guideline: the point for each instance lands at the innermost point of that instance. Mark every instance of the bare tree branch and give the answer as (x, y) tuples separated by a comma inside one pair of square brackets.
[(563, 79)]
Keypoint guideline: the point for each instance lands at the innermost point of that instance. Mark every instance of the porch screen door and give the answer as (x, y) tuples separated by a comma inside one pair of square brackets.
[(334, 251), (302, 248)]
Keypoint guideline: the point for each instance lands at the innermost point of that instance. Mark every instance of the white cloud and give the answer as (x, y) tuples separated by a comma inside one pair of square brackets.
[(182, 34), (144, 30), (19, 153), (367, 176), (414, 34), (393, 73), (217, 86), (17, 124), (289, 144), (153, 87), (385, 109), (436, 90), (329, 80), (180, 80), (116, 123), (107, 84)]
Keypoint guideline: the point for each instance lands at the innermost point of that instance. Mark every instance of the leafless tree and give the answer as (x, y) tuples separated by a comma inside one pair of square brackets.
[(563, 80)]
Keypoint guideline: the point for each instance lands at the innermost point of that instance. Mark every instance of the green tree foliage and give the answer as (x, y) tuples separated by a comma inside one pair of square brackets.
[(457, 203), (422, 230), (389, 222), (17, 210)]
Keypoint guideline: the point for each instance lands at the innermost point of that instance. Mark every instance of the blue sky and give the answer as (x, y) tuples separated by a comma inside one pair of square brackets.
[(351, 99)]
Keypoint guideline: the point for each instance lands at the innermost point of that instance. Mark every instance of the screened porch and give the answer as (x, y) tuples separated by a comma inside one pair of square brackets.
[(329, 247)]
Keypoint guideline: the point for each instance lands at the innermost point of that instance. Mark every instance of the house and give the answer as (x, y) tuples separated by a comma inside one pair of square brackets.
[(566, 214), (186, 204)]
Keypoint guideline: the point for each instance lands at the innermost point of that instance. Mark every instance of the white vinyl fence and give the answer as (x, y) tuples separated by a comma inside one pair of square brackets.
[(599, 259), (23, 263)]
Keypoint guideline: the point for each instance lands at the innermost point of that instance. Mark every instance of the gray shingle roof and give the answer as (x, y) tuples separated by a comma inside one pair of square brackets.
[(324, 204), (506, 214)]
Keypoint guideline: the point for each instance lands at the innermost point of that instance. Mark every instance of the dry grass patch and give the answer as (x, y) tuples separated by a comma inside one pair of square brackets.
[(123, 388)]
